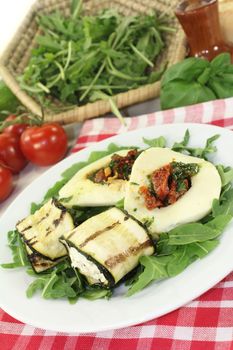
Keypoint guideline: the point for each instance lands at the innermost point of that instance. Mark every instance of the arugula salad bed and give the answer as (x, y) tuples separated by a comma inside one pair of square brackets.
[(175, 250)]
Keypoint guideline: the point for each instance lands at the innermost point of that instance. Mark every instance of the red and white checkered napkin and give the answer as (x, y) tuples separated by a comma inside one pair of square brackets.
[(205, 323)]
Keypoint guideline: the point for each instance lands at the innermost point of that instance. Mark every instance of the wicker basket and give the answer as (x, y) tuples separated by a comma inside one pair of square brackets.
[(16, 56)]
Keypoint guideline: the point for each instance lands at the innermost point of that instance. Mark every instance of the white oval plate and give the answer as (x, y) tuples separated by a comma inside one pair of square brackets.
[(120, 311)]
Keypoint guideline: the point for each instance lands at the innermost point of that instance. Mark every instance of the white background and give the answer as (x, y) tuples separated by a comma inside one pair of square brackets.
[(11, 14)]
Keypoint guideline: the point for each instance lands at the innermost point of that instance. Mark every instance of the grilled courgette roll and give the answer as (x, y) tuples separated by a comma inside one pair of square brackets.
[(101, 183), (38, 262), (107, 246), (41, 232)]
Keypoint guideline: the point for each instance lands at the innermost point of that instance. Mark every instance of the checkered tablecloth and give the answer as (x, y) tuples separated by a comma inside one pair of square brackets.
[(205, 323)]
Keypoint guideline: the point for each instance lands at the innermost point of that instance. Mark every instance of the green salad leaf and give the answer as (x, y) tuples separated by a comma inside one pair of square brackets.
[(96, 293), (195, 80), (82, 58), (197, 232), (224, 205), (157, 142), (184, 244), (120, 204), (62, 282), (183, 147), (154, 269), (226, 174), (17, 248), (8, 101)]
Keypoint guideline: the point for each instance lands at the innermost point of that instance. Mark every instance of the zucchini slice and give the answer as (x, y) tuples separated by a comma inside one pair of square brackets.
[(107, 246), (41, 231), (82, 191), (38, 262), (192, 206)]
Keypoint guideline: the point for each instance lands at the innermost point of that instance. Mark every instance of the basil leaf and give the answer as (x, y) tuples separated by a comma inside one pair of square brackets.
[(189, 69), (192, 81), (180, 93), (221, 87), (220, 63), (204, 77)]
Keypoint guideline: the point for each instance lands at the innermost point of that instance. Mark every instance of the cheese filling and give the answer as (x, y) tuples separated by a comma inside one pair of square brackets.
[(86, 267)]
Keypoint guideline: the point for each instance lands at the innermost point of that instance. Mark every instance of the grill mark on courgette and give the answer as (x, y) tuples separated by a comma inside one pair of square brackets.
[(48, 231), (26, 228), (33, 243), (119, 258), (98, 233), (39, 264), (30, 241), (30, 226), (56, 222), (30, 246), (43, 218)]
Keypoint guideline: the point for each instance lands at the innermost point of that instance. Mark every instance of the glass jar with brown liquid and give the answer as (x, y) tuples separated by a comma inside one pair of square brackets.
[(200, 22)]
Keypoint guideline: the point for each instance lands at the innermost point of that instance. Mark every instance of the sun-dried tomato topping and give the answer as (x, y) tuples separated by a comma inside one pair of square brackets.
[(174, 194), (151, 201), (168, 184), (159, 179), (122, 166), (119, 168), (100, 176)]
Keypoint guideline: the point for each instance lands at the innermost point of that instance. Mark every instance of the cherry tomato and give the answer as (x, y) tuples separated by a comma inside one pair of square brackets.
[(10, 153), (44, 145), (15, 129), (6, 183)]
